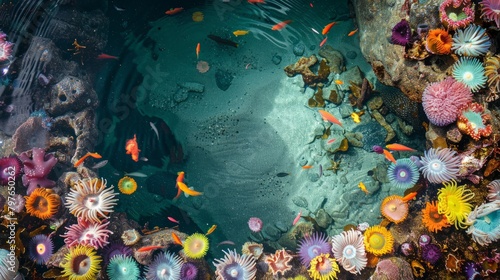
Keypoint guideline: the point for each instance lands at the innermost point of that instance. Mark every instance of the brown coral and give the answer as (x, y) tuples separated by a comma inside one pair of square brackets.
[(302, 66)]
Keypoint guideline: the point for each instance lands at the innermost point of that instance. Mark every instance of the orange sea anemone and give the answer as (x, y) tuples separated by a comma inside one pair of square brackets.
[(323, 267), (279, 262), (394, 209), (431, 218), (378, 240), (127, 185), (438, 41), (197, 16), (42, 203), (195, 246), (81, 263), (202, 66)]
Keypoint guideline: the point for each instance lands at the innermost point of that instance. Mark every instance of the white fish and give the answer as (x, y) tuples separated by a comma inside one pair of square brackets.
[(155, 129), (118, 9), (143, 158), (136, 174), (315, 31), (100, 164)]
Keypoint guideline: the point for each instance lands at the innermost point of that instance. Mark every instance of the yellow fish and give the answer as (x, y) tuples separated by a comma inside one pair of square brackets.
[(355, 117), (240, 32), (211, 229), (363, 187)]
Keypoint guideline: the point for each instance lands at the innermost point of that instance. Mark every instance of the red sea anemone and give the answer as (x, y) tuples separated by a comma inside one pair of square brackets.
[(474, 122), (87, 233), (491, 11), (40, 248), (10, 167), (456, 14)]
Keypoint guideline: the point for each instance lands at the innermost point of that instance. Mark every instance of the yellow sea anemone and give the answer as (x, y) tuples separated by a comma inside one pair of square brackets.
[(323, 268), (431, 218), (378, 240), (196, 246), (127, 185), (197, 16), (42, 203), (81, 263), (453, 202)]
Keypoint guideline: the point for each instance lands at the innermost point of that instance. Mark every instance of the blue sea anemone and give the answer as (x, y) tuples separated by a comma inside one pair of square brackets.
[(404, 174), (235, 266), (189, 271), (440, 165), (313, 246), (123, 268), (8, 265), (165, 266), (114, 249), (431, 253), (40, 248), (485, 223), (471, 41), (470, 72)]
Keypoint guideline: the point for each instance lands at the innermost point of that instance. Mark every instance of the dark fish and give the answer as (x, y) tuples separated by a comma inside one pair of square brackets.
[(223, 41), (282, 174), (100, 164), (320, 170)]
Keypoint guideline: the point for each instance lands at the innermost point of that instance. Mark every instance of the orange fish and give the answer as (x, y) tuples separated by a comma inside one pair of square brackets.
[(176, 239), (187, 190), (307, 167), (180, 178), (281, 25), (399, 148), (389, 156), (197, 50), (329, 117), (323, 42), (328, 27), (352, 32), (80, 161), (339, 82), (132, 148), (211, 229), (150, 248), (409, 196), (106, 56), (174, 11), (256, 2)]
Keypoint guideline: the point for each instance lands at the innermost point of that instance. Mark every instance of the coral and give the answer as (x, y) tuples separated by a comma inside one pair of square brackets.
[(489, 11), (202, 66), (403, 174), (493, 190), (123, 268), (323, 267), (441, 100), (311, 246), (71, 94), (438, 41), (252, 248), (189, 271), (349, 249), (431, 253), (401, 33), (453, 263), (453, 202), (255, 224), (29, 135), (484, 223), (81, 263), (90, 199), (470, 72), (235, 266), (378, 240), (127, 185), (431, 218), (37, 166), (130, 237), (474, 122), (392, 268), (492, 71), (394, 208), (87, 233), (472, 41), (10, 167), (42, 203), (196, 246), (279, 262), (40, 248), (440, 165), (302, 66), (456, 14), (165, 266), (115, 249)]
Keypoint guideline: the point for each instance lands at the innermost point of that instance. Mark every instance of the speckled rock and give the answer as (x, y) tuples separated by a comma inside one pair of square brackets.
[(323, 219), (71, 94), (334, 58)]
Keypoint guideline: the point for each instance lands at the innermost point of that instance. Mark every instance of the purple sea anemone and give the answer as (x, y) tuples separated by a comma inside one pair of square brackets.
[(401, 33), (87, 233), (442, 100), (378, 149), (472, 271), (424, 240), (10, 167), (40, 248), (490, 11), (440, 165), (37, 166), (404, 174), (114, 249), (472, 41), (165, 266), (470, 72), (312, 246), (189, 271), (431, 253), (422, 30), (235, 267), (349, 249)]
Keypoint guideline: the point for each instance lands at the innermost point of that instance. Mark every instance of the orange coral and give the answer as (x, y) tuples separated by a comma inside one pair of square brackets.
[(431, 219), (438, 41), (394, 208), (42, 203), (279, 262)]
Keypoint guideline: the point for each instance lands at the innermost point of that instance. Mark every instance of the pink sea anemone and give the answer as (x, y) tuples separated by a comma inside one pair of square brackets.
[(491, 11), (456, 13), (202, 66), (474, 122), (279, 262), (349, 249), (87, 233), (5, 48), (442, 101), (37, 166), (10, 167), (255, 224), (493, 190)]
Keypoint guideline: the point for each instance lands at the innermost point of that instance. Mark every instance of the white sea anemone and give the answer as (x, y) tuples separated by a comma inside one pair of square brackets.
[(440, 165), (485, 223), (235, 266), (349, 250), (471, 41)]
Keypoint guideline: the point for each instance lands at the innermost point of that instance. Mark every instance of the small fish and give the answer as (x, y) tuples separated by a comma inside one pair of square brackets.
[(180, 178), (328, 27), (389, 156), (226, 242), (132, 148), (281, 25), (339, 82), (330, 141), (118, 9), (297, 218), (240, 32), (409, 196), (100, 164), (136, 174), (198, 51), (363, 188), (106, 56), (222, 41), (211, 229), (323, 42), (320, 170), (355, 117), (314, 30), (143, 159), (307, 166), (150, 248), (256, 1), (174, 11), (172, 220), (329, 117), (89, 154), (187, 190), (153, 127), (399, 148), (176, 239), (282, 174), (352, 32)]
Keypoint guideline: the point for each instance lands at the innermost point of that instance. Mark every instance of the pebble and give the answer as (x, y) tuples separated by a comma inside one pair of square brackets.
[(351, 54), (276, 59), (299, 49)]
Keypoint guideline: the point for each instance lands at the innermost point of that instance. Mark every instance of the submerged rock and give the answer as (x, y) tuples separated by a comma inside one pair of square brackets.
[(223, 79)]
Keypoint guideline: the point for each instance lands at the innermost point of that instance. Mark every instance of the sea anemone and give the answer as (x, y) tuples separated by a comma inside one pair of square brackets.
[(323, 267), (472, 41), (87, 233), (493, 190), (472, 271), (456, 13), (202, 66), (18, 203), (431, 218), (252, 248), (474, 122), (438, 41), (127, 185), (114, 249), (8, 265), (90, 199), (189, 271), (424, 240), (440, 165), (312, 246), (470, 72), (453, 263), (492, 71), (196, 246), (453, 202), (255, 224), (5, 50), (349, 249), (10, 167), (441, 101), (197, 16), (484, 223), (165, 266), (394, 208), (40, 248), (378, 240), (279, 262), (401, 33), (123, 268), (490, 11), (42, 203), (81, 263), (403, 174), (431, 253), (235, 267), (130, 237)]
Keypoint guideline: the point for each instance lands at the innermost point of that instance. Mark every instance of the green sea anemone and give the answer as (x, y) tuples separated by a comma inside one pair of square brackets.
[(123, 267)]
